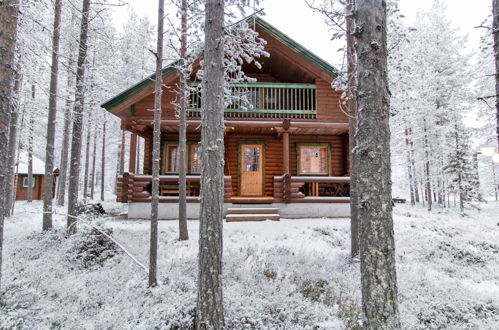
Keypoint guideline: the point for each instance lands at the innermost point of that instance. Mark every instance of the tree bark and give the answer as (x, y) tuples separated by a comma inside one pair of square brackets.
[(495, 34), (427, 166), (103, 161), (94, 153), (210, 313), (409, 165), (352, 127), (74, 170), (10, 187), (30, 147), (183, 234), (63, 168), (377, 251), (9, 10), (87, 156), (51, 123), (153, 250)]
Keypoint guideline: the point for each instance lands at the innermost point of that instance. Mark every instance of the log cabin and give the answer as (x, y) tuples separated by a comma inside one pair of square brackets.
[(285, 155), (38, 171)]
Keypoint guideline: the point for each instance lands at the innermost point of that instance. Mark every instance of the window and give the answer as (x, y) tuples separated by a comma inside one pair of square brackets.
[(25, 182), (171, 165), (195, 155), (171, 155), (313, 159)]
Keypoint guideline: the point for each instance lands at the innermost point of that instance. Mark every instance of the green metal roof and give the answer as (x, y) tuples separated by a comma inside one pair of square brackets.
[(260, 23)]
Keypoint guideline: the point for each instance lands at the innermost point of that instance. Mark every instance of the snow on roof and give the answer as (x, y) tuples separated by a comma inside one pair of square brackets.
[(38, 165)]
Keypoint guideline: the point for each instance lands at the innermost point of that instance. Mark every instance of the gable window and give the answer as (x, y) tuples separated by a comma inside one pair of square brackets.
[(313, 159), (25, 182)]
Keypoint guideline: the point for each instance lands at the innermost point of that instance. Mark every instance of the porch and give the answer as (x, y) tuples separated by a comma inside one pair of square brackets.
[(136, 188)]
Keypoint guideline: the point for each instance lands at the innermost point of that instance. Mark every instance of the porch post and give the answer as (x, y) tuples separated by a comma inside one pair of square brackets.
[(122, 153), (285, 152), (133, 153)]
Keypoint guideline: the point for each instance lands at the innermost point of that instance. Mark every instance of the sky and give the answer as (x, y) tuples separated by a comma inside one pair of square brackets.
[(298, 21)]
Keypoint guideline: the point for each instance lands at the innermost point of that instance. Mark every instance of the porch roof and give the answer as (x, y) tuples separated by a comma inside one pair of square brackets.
[(247, 126)]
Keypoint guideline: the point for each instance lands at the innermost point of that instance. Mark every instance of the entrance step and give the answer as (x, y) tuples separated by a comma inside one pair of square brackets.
[(252, 214)]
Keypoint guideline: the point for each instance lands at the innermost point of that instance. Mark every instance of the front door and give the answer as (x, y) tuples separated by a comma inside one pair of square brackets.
[(251, 169)]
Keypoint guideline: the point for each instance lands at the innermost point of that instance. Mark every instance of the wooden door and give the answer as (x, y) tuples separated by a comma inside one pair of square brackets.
[(251, 170)]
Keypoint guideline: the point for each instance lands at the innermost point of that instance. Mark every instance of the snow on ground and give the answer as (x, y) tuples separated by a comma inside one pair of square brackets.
[(292, 274)]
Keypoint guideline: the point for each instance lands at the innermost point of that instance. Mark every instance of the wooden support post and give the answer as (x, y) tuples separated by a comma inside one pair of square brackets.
[(285, 152), (122, 153), (133, 153)]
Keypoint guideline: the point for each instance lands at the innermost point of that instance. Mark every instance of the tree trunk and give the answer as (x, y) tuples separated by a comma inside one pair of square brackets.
[(63, 168), (210, 313), (74, 170), (183, 234), (409, 165), (495, 34), (377, 251), (352, 127), (51, 123), (87, 156), (153, 250), (427, 166), (92, 180), (30, 147), (8, 34), (103, 161), (10, 187)]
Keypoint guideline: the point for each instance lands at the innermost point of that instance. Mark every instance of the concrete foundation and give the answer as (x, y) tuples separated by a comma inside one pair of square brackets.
[(287, 211)]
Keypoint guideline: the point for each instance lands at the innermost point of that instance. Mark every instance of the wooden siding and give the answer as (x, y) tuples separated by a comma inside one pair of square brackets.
[(272, 154), (22, 193), (328, 103)]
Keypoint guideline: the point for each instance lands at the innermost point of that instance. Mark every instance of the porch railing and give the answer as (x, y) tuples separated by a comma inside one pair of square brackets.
[(265, 100), (315, 189), (136, 188)]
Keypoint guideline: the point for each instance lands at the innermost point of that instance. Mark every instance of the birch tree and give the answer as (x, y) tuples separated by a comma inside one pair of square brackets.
[(74, 171), (377, 251), (153, 249), (49, 155), (209, 312)]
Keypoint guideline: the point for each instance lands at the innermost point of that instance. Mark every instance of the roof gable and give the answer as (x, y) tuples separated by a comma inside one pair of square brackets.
[(260, 23)]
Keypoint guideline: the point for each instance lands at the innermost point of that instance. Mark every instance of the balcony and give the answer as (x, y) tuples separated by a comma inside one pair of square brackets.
[(265, 100)]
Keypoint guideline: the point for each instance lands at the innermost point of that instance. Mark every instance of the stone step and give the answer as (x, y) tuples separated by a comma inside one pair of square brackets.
[(252, 217), (249, 210)]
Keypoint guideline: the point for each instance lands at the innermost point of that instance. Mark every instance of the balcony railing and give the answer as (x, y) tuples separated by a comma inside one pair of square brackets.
[(266, 100)]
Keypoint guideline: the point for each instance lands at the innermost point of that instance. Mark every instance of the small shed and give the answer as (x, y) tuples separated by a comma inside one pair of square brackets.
[(38, 178)]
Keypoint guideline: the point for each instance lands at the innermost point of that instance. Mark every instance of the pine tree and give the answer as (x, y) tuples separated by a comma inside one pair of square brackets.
[(377, 250), (49, 155), (74, 177), (460, 167), (8, 16), (153, 249), (209, 312)]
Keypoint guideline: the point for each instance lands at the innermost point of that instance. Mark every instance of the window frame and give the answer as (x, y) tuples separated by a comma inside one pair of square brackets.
[(299, 146), (165, 156), (25, 186)]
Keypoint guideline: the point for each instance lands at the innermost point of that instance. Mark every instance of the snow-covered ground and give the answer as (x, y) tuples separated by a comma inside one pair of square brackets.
[(292, 274)]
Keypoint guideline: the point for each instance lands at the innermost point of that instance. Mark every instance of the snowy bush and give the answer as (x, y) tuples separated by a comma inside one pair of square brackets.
[(90, 247)]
